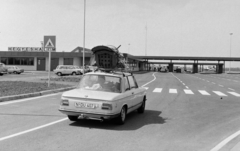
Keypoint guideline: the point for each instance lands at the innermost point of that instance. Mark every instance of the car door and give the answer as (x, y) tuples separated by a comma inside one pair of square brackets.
[(129, 96), (134, 90)]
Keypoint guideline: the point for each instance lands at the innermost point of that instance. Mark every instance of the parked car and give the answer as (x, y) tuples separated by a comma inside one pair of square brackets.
[(68, 70), (103, 96), (3, 69), (14, 69)]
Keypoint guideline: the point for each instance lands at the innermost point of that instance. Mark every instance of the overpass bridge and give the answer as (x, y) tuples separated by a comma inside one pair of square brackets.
[(196, 61)]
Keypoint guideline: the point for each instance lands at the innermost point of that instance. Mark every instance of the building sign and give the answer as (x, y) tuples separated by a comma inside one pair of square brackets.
[(33, 49)]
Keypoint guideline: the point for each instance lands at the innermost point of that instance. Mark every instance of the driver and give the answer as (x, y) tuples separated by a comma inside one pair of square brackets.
[(100, 83)]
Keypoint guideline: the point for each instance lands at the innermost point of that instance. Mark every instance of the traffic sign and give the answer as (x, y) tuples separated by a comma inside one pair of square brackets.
[(50, 41)]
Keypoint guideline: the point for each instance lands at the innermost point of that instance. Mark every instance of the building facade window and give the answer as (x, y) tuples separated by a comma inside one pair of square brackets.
[(18, 61)]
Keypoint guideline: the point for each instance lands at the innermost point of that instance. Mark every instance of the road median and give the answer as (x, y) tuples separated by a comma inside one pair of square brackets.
[(34, 94)]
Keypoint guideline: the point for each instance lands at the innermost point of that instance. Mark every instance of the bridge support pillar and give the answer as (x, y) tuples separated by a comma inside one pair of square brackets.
[(219, 68), (170, 67), (195, 68)]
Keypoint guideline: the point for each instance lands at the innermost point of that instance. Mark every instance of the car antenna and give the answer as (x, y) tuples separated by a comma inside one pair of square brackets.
[(119, 46)]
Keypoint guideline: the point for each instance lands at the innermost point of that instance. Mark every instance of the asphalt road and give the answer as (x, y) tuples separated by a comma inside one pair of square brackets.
[(184, 112)]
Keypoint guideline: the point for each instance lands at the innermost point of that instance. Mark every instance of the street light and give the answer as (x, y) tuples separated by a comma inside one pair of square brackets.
[(230, 51), (84, 36), (128, 48)]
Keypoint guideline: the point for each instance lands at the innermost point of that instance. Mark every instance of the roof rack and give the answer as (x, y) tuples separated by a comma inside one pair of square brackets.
[(116, 71)]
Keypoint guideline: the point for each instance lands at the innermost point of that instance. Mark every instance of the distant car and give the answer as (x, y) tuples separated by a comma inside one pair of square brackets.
[(3, 69), (103, 96), (163, 69), (68, 70), (14, 69)]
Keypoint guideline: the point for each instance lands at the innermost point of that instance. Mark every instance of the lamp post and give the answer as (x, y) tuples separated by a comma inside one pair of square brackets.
[(146, 41), (128, 48), (84, 36), (230, 51)]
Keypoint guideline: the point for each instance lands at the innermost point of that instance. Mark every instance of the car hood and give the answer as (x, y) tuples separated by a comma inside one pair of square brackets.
[(96, 95)]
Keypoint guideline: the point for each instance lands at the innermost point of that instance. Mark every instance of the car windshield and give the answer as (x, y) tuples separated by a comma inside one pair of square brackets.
[(100, 83)]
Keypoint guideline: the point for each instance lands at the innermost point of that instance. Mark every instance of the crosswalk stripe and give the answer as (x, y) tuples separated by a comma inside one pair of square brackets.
[(188, 91), (159, 90), (203, 92), (219, 93), (145, 88), (235, 94), (172, 90)]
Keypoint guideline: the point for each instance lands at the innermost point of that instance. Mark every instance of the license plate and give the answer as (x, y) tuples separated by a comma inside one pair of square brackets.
[(85, 105)]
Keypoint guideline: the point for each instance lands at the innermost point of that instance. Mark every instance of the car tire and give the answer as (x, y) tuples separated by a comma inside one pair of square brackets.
[(122, 116), (74, 73), (72, 118), (59, 74), (141, 109), (14, 72)]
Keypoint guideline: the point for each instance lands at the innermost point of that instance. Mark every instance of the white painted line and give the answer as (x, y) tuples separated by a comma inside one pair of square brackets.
[(145, 88), (225, 141), (159, 90), (235, 80), (183, 83), (172, 90), (150, 81), (219, 93), (231, 89), (213, 83), (28, 99), (203, 92), (187, 87), (33, 129), (234, 93), (220, 85), (188, 91), (207, 81)]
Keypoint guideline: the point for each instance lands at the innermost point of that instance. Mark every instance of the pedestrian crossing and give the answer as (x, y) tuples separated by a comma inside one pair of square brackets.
[(191, 92)]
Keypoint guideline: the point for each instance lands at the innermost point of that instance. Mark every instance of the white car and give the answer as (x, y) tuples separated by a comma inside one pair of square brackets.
[(103, 96), (68, 70)]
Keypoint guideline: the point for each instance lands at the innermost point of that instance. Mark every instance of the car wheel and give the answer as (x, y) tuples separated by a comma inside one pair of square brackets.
[(74, 73), (122, 117), (72, 118), (59, 74), (141, 109), (14, 72)]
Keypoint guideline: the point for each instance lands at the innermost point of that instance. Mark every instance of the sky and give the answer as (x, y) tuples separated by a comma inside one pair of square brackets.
[(151, 27)]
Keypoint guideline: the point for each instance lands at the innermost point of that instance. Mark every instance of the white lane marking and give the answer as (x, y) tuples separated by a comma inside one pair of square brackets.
[(183, 83), (187, 87), (220, 85), (207, 81), (172, 90), (213, 83), (145, 88), (231, 89), (159, 90), (150, 81), (203, 92), (234, 93), (28, 99), (33, 129), (219, 93), (188, 91), (225, 141)]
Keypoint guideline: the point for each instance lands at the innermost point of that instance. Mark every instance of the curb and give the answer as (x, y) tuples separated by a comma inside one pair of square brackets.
[(28, 95)]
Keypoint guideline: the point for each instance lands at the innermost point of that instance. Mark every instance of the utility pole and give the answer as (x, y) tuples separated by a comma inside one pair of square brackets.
[(230, 51)]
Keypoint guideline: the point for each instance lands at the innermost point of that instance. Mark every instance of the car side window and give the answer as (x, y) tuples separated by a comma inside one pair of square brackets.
[(132, 82), (126, 84)]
